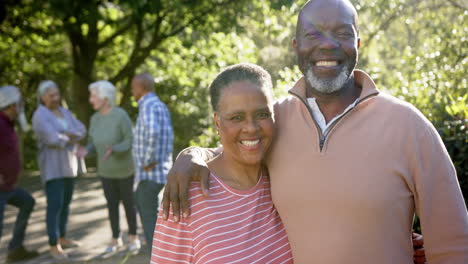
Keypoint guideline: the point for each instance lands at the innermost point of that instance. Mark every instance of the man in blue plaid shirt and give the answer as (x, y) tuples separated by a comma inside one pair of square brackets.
[(152, 150)]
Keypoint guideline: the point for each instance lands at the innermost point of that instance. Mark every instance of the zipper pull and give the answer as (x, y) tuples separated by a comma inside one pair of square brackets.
[(322, 142)]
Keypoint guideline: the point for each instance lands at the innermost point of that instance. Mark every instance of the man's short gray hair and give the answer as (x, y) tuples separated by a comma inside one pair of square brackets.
[(104, 90), (9, 95), (146, 80)]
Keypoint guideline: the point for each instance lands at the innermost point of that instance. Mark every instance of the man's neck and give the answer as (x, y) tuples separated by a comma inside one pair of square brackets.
[(10, 114), (145, 94), (335, 103)]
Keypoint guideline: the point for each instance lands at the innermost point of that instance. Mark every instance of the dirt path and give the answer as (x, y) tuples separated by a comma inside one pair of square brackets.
[(88, 223)]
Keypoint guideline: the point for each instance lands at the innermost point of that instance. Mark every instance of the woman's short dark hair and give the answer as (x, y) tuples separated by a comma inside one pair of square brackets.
[(240, 72)]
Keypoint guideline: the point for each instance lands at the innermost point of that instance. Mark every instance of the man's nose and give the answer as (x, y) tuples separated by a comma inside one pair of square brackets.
[(328, 41)]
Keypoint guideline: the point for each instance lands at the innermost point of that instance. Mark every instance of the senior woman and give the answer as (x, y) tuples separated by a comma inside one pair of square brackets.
[(58, 132), (110, 137), (237, 222)]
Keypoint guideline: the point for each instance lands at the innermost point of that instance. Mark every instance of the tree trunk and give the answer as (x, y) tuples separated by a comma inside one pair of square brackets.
[(84, 52), (80, 98)]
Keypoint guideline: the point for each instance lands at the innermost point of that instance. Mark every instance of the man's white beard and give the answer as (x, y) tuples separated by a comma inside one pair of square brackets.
[(23, 122), (327, 86)]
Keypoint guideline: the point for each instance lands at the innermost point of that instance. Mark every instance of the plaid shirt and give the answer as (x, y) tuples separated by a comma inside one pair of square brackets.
[(153, 139)]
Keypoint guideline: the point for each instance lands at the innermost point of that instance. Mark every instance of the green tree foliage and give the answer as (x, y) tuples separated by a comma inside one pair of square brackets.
[(416, 50), (111, 39), (420, 55)]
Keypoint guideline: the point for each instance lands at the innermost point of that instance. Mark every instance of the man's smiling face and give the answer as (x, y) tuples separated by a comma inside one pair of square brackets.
[(327, 44)]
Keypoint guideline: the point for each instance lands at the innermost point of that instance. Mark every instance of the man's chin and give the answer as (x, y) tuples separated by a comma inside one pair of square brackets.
[(327, 85)]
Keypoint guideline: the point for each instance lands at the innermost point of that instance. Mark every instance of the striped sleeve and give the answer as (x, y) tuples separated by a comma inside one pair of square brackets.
[(172, 242)]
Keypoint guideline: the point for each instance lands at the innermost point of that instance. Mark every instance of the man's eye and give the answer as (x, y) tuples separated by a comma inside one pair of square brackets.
[(313, 35), (344, 35), (236, 118)]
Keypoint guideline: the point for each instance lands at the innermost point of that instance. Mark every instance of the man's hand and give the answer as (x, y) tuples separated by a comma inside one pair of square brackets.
[(419, 256), (150, 166), (189, 166)]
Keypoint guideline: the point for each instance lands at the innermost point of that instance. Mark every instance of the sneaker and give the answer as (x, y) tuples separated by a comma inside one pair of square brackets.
[(60, 256), (21, 254), (111, 249), (113, 246), (134, 247), (68, 243)]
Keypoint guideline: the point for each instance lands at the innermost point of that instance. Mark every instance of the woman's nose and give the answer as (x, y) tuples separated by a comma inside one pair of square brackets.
[(251, 126)]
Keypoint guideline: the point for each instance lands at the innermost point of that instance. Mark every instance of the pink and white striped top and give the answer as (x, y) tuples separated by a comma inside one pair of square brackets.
[(230, 226)]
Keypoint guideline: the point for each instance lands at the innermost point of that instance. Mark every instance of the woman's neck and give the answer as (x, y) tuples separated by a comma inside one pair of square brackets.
[(55, 111), (105, 109), (234, 174)]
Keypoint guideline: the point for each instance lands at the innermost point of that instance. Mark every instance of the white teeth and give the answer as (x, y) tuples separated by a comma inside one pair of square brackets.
[(250, 143), (326, 63)]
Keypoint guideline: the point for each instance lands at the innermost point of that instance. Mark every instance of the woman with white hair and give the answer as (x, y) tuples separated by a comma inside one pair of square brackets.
[(110, 137), (58, 133)]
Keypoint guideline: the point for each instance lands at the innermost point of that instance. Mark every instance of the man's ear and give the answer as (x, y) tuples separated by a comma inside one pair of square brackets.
[(358, 43), (12, 107), (294, 43), (10, 110)]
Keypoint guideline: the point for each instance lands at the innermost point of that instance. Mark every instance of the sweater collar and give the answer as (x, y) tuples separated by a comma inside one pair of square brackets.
[(360, 77), (146, 97)]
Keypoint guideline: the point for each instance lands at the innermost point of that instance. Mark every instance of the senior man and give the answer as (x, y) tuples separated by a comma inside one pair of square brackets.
[(152, 151), (351, 165), (11, 110)]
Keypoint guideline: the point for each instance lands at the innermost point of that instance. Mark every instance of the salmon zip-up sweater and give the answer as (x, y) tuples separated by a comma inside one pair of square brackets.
[(350, 197)]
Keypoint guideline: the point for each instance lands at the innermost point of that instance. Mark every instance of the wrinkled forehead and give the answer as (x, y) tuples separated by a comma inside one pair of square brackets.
[(326, 14)]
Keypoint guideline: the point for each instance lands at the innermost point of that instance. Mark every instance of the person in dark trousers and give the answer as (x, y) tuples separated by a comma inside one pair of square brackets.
[(58, 133), (110, 139), (152, 151), (11, 110)]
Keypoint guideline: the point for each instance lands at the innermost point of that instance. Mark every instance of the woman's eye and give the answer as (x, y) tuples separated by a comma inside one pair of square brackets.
[(264, 115)]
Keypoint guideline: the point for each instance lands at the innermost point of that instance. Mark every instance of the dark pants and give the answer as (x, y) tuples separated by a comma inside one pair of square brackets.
[(116, 190), (59, 194), (25, 203), (147, 203)]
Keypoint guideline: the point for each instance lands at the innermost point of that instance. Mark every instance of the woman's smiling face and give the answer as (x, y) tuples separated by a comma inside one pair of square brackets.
[(245, 122), (51, 98)]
